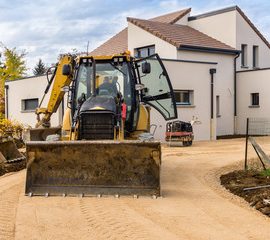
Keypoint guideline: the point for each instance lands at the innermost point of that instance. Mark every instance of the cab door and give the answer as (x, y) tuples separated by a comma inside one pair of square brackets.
[(157, 90)]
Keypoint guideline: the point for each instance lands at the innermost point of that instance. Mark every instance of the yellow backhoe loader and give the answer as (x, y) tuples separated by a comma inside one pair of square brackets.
[(104, 146)]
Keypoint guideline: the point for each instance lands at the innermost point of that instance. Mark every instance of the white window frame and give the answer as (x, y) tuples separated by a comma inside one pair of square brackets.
[(218, 106), (255, 59), (181, 93), (23, 105), (147, 48), (253, 102), (244, 55)]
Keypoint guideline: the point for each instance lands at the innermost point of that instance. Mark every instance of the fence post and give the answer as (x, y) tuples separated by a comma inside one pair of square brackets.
[(246, 150)]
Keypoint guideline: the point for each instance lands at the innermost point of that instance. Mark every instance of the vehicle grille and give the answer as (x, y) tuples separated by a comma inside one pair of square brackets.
[(96, 125)]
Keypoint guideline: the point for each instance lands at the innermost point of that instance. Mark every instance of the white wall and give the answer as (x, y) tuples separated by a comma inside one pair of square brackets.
[(189, 76), (138, 37), (223, 86), (221, 26), (246, 35), (224, 80), (28, 88), (231, 28), (247, 83)]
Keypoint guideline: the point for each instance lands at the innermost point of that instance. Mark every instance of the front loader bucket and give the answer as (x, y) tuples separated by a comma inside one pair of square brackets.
[(9, 152), (93, 168)]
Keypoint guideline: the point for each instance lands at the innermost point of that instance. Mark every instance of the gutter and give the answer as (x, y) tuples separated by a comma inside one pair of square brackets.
[(235, 90), (208, 50), (212, 71), (212, 13), (6, 101)]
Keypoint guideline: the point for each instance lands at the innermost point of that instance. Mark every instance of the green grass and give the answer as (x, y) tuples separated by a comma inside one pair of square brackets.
[(265, 173)]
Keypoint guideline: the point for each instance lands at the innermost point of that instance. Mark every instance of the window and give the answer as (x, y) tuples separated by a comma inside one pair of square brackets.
[(144, 51), (183, 97), (255, 99), (244, 55), (159, 92), (29, 104), (218, 106), (255, 56)]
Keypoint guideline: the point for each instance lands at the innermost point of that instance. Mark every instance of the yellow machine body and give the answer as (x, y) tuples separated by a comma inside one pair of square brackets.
[(70, 161)]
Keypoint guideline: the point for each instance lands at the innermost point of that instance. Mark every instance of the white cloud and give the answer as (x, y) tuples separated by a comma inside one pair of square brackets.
[(46, 28)]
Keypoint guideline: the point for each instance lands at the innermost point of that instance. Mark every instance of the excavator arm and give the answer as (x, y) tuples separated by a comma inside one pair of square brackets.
[(61, 78)]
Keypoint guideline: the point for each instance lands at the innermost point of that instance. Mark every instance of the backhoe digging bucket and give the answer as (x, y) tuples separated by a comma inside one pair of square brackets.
[(93, 168), (9, 153)]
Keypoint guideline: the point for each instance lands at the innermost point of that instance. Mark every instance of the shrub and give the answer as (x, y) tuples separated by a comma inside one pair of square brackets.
[(10, 128)]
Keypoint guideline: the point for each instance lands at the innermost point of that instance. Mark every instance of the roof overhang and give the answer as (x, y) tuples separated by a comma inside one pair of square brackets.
[(208, 50)]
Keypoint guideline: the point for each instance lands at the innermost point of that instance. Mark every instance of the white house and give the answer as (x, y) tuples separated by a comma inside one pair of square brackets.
[(23, 96), (213, 60)]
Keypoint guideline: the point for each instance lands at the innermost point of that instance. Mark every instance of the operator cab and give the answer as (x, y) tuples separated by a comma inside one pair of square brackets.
[(102, 85)]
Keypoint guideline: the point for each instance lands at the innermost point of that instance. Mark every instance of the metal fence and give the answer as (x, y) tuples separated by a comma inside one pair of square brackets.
[(257, 127)]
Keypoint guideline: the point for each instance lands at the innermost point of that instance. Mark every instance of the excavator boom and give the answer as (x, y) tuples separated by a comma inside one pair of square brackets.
[(57, 93)]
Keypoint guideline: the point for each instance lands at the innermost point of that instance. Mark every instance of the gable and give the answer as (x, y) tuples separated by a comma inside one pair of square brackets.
[(252, 26), (212, 23), (119, 42)]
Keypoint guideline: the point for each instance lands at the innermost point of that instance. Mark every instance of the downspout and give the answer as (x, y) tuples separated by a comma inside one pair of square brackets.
[(6, 101), (212, 125), (235, 94)]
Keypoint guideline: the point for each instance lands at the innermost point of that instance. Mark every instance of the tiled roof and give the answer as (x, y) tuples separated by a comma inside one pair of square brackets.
[(119, 42), (179, 35), (171, 17)]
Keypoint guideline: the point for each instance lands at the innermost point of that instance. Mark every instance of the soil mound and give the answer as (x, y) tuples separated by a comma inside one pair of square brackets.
[(237, 182)]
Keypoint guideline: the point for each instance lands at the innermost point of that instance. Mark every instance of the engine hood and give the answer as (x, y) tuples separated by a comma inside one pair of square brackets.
[(95, 103)]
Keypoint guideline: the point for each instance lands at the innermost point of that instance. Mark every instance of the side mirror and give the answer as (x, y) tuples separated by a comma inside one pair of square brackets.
[(146, 67), (66, 70)]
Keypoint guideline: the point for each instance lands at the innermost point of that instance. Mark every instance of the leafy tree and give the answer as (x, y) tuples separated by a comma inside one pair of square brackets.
[(40, 68), (12, 67)]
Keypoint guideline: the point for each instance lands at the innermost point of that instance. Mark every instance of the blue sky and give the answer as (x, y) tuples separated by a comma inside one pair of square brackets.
[(46, 28)]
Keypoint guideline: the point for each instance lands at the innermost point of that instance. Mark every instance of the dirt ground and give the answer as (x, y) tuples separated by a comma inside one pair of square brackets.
[(194, 205), (237, 181)]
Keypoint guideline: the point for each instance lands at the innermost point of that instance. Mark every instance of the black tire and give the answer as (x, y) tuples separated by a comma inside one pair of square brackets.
[(187, 143)]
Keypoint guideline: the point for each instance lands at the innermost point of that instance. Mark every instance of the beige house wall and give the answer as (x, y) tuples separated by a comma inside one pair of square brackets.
[(28, 88), (247, 83), (138, 37), (246, 35), (223, 87), (221, 26), (195, 77), (188, 76)]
